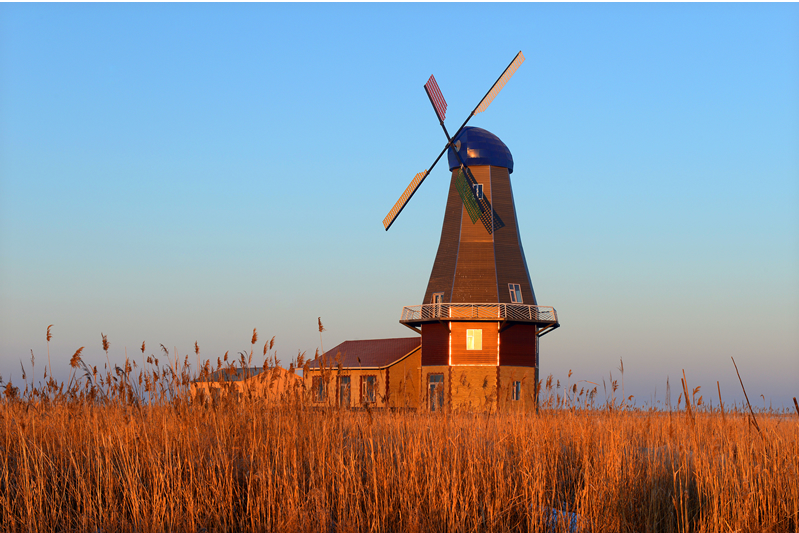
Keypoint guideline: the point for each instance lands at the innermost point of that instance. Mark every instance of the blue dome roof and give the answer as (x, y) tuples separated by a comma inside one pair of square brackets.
[(480, 147)]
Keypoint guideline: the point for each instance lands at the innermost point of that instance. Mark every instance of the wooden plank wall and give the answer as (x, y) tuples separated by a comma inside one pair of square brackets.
[(510, 263), (475, 273), (517, 345), (435, 344), (486, 356), (472, 265), (447, 256)]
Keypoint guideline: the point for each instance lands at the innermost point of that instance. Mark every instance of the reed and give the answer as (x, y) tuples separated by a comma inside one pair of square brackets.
[(127, 453)]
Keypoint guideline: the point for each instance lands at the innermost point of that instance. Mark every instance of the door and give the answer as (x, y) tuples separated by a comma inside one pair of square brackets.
[(438, 299), (435, 391)]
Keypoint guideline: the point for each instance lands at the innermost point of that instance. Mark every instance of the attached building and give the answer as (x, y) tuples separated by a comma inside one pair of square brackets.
[(374, 373)]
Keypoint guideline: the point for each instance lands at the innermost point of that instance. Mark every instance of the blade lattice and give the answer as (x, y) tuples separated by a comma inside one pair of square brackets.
[(466, 193), (518, 60), (403, 199), (490, 218), (484, 211), (436, 98)]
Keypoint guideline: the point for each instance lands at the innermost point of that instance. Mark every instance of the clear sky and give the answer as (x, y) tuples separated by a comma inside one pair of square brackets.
[(180, 173)]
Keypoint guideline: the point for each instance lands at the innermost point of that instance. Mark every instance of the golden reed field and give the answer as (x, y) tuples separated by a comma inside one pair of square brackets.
[(126, 449)]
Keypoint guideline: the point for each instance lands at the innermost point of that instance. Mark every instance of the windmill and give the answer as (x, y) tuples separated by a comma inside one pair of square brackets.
[(476, 206), (479, 320)]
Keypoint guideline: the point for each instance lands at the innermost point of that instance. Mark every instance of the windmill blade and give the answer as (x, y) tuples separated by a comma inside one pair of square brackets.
[(492, 93), (487, 214), (476, 208), (409, 191), (500, 83), (465, 189), (436, 98), (400, 204)]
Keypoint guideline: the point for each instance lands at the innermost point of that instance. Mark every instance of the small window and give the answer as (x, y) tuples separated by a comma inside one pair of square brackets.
[(515, 293), (474, 339), (438, 297), (516, 391), (344, 391), (369, 389), (478, 190), (318, 389), (435, 389)]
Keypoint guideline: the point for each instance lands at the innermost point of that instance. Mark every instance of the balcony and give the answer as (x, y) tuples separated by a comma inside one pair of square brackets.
[(414, 315)]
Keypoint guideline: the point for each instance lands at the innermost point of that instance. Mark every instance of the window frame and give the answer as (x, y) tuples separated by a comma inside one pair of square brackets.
[(478, 190), (439, 386), (516, 391), (318, 388), (476, 336), (365, 396), (515, 293), (341, 381)]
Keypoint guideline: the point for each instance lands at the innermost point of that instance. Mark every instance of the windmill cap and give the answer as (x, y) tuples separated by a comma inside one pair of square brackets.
[(480, 147)]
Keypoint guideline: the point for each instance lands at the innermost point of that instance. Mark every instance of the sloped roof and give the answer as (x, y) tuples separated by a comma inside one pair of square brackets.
[(370, 353)]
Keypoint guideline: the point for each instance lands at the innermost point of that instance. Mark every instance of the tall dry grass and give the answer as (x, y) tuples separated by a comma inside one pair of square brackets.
[(110, 452)]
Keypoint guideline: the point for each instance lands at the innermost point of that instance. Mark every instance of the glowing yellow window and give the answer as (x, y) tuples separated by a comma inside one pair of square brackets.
[(474, 339)]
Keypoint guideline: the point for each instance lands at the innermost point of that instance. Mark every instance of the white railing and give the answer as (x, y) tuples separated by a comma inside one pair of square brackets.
[(514, 312)]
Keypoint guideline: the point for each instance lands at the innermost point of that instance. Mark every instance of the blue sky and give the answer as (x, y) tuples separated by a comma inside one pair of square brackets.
[(180, 173)]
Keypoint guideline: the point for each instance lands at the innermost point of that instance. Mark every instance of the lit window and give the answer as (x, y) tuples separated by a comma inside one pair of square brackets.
[(478, 190), (516, 391), (515, 293), (474, 339), (369, 389)]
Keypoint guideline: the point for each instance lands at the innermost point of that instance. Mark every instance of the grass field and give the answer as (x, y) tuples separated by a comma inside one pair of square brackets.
[(109, 452)]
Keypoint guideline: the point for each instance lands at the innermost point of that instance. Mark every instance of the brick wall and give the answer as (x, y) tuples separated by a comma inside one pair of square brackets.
[(474, 388), (509, 374)]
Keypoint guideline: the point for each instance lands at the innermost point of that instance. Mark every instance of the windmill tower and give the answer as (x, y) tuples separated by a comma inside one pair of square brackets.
[(479, 319)]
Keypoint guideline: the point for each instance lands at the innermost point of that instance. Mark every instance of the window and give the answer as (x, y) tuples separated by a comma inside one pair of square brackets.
[(474, 339), (515, 293), (438, 297), (318, 386), (478, 190), (516, 391), (435, 390), (369, 389), (344, 391)]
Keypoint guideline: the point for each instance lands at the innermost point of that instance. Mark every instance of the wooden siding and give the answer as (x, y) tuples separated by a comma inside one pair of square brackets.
[(474, 388), (472, 265), (447, 255), (517, 345), (475, 273), (435, 344), (486, 356), (510, 263)]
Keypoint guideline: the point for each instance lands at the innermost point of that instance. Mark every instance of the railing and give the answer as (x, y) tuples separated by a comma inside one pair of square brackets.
[(513, 312)]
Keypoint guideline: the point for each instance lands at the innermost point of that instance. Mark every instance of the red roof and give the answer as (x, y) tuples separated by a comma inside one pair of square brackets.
[(370, 353)]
